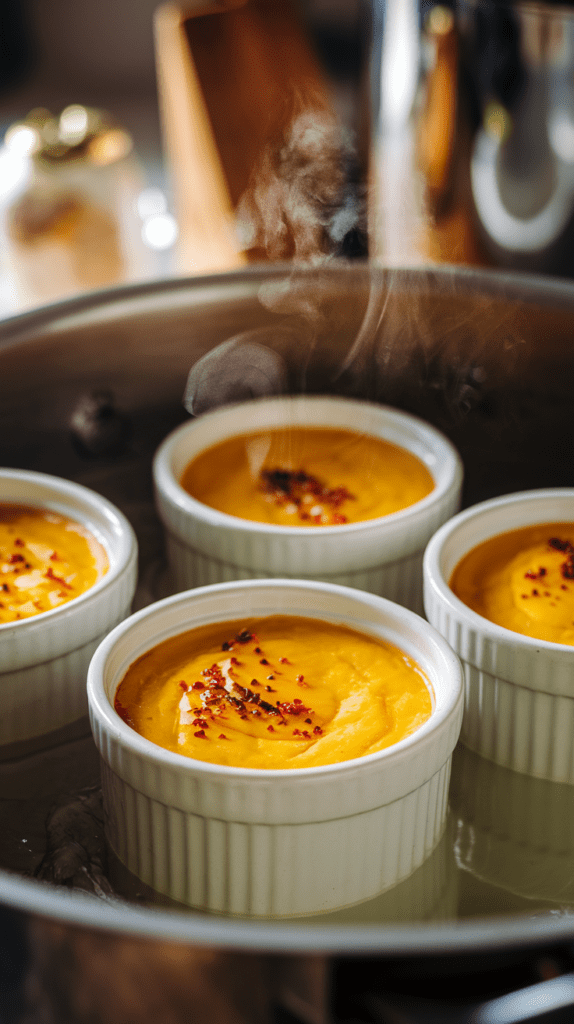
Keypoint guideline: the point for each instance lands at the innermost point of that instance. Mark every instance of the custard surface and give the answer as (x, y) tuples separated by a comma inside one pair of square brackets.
[(277, 692), (307, 476), (523, 580), (46, 560)]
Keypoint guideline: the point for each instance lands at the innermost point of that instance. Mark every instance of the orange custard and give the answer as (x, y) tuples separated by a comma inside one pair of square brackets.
[(277, 692), (45, 561), (307, 476), (523, 580)]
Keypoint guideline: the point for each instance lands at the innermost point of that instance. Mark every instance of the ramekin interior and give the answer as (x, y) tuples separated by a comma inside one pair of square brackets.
[(256, 598), (403, 429), (469, 528), (110, 527)]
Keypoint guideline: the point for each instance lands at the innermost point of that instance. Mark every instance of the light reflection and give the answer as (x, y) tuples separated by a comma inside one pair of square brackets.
[(73, 124), (160, 232), (497, 121), (151, 202), (22, 139), (15, 170), (399, 62), (110, 146), (561, 134)]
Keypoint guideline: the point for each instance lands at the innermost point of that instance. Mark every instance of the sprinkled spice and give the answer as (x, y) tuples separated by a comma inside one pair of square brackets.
[(305, 494), (31, 540), (535, 575), (566, 568), (258, 728), (521, 580)]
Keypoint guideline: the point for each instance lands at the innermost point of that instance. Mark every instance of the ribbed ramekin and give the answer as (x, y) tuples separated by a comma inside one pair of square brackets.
[(513, 831), (44, 659), (264, 843), (519, 691), (382, 556)]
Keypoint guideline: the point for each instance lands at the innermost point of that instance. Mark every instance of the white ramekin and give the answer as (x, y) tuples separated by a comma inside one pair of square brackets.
[(287, 842), (382, 556), (44, 659), (519, 691), (513, 831)]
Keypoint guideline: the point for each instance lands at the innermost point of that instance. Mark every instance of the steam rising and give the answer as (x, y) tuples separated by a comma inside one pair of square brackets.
[(305, 201)]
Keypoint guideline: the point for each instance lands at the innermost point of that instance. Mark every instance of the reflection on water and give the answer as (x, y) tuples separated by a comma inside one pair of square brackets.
[(429, 894), (508, 846), (514, 832)]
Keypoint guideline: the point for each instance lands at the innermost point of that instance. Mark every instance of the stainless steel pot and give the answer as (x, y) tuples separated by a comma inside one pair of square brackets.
[(88, 388)]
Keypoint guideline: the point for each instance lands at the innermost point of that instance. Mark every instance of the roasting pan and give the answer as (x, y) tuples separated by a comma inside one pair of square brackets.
[(88, 389)]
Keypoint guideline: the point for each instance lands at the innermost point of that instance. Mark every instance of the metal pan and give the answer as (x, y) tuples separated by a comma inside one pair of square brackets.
[(89, 387)]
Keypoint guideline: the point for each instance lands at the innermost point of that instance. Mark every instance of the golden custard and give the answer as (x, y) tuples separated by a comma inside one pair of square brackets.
[(523, 580), (278, 692), (307, 476), (45, 561)]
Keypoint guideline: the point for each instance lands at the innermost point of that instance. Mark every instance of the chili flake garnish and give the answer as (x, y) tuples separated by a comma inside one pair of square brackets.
[(221, 692), (50, 574), (531, 575), (305, 494)]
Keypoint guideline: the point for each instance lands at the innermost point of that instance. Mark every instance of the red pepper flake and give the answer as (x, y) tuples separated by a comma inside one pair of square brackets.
[(318, 730), (54, 556), (270, 689), (244, 637), (263, 661), (296, 708), (200, 734), (268, 707), (563, 586), (308, 721), (198, 685), (531, 575), (183, 685), (255, 682), (15, 558), (296, 732), (201, 722), (5, 588), (297, 700), (567, 568), (271, 677), (560, 545), (535, 593), (18, 542), (524, 596), (300, 679), (306, 735), (222, 736), (284, 661), (57, 579), (270, 728), (294, 486), (338, 519), (258, 650)]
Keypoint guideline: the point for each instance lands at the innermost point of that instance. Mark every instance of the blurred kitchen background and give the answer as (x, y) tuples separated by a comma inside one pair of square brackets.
[(139, 141)]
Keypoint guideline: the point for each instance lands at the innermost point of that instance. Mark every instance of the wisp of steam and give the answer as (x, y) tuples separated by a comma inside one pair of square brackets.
[(306, 203)]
